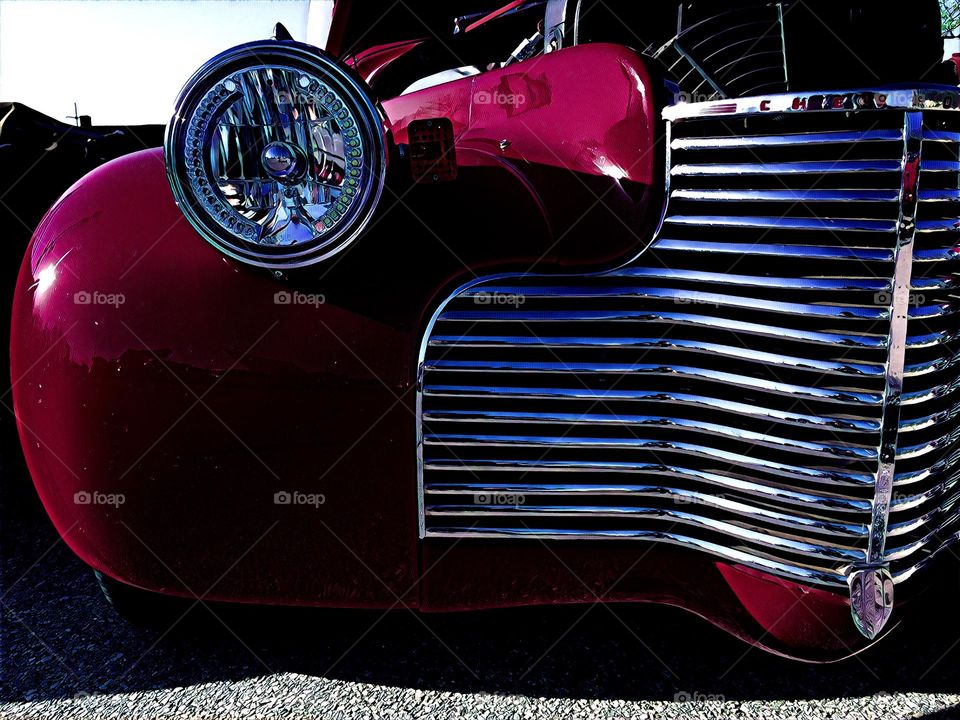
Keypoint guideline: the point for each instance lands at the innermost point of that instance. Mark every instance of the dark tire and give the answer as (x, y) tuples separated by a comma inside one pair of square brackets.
[(140, 607)]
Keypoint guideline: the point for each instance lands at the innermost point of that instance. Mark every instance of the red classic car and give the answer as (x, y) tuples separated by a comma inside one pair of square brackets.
[(558, 301)]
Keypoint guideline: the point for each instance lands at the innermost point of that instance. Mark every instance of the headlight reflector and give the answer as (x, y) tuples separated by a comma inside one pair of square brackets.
[(276, 154)]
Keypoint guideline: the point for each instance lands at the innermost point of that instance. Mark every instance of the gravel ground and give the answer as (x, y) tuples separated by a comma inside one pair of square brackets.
[(65, 654)]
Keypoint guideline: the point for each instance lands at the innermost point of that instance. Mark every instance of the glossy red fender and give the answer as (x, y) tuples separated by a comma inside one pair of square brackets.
[(196, 427), (150, 368)]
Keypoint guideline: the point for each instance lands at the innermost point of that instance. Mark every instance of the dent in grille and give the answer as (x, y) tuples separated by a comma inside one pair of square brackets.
[(726, 391)]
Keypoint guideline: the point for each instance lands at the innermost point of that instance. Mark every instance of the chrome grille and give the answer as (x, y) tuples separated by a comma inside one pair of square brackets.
[(735, 53), (725, 390)]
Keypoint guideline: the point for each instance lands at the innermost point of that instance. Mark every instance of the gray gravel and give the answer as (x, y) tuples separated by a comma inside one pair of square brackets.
[(65, 654)]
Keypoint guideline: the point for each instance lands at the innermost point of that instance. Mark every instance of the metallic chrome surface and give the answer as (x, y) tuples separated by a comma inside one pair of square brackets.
[(840, 396), (839, 101), (756, 141), (695, 346), (873, 577), (847, 422), (803, 167), (732, 53), (777, 368), (759, 561), (767, 538), (860, 254), (771, 491), (871, 599), (826, 338), (276, 154), (680, 496), (817, 223), (710, 195)]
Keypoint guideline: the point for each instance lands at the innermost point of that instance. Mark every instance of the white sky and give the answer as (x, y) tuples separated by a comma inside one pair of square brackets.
[(124, 61)]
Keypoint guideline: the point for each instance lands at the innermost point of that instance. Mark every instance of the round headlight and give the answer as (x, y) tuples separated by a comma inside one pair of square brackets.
[(276, 154)]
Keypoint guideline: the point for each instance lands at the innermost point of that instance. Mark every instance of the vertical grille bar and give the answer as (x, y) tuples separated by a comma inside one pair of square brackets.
[(871, 584)]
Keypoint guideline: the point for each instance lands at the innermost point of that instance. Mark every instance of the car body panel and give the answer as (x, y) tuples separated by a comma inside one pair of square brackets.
[(157, 370)]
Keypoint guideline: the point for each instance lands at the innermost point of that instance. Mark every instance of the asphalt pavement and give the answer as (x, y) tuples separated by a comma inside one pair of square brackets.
[(64, 653)]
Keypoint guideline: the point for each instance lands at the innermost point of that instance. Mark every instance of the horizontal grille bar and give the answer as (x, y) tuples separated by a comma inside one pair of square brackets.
[(724, 390)]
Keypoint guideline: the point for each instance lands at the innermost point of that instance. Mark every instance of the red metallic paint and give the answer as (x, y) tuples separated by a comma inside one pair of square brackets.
[(607, 128), (200, 395)]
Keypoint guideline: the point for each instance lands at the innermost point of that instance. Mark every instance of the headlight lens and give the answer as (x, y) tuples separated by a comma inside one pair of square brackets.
[(276, 154)]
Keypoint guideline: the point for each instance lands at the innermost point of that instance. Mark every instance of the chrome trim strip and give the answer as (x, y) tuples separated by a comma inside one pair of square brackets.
[(696, 346), (950, 166), (761, 281), (813, 167), (848, 450), (947, 543), (812, 474), (836, 339), (940, 194), (844, 423), (941, 254), (813, 575), (916, 397), (925, 226), (875, 570), (818, 252), (677, 495), (931, 135), (753, 141), (770, 492), (889, 196), (789, 223), (868, 312), (766, 537), (779, 388), (926, 98)]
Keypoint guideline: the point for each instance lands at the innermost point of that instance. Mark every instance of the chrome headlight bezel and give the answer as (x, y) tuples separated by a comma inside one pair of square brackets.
[(321, 82)]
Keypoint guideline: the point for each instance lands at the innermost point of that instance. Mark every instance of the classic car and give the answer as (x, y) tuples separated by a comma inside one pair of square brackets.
[(557, 301)]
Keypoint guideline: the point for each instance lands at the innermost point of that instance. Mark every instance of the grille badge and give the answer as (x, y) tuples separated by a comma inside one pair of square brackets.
[(871, 599)]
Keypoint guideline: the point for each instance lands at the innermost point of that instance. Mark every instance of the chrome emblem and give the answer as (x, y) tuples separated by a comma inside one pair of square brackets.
[(871, 600)]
